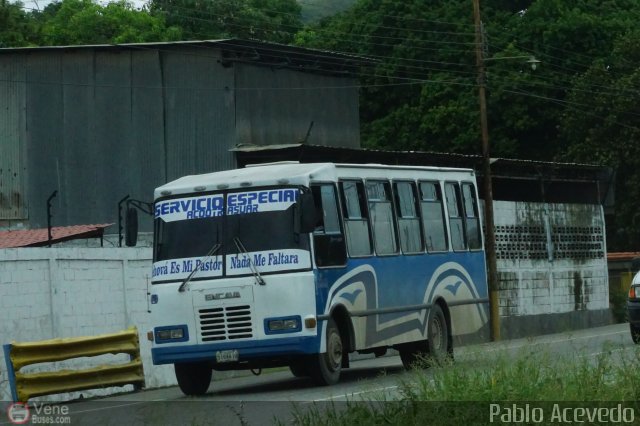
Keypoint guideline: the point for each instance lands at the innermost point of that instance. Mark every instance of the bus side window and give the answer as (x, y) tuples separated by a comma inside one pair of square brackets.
[(408, 217), (471, 216), (328, 240), (456, 221), (356, 222), (433, 216), (383, 223)]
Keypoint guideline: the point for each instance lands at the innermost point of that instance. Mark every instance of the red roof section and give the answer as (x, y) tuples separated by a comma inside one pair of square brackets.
[(40, 237)]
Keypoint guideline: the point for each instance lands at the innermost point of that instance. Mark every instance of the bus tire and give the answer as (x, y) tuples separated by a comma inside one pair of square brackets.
[(438, 337), (325, 368), (194, 378), (413, 354), (435, 350)]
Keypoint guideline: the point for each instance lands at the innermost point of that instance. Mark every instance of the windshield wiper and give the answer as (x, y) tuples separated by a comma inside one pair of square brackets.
[(211, 252), (253, 268)]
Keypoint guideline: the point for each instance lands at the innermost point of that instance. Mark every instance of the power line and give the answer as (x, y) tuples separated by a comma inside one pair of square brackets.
[(416, 69), (572, 105)]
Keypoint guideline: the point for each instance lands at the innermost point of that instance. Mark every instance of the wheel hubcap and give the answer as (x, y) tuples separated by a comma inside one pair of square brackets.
[(334, 351), (437, 336)]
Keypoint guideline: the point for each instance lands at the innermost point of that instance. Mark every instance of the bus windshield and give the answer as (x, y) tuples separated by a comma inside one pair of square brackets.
[(255, 230)]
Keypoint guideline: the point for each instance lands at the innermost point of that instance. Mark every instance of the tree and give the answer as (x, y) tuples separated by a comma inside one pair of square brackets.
[(15, 25), (602, 124), (87, 22), (580, 104), (314, 10), (420, 92), (567, 36), (267, 20)]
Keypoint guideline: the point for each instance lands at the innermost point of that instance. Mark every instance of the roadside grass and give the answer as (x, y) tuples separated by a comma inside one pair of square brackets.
[(460, 393)]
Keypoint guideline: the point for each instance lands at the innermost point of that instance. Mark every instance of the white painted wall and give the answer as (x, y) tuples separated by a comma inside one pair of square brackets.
[(547, 284), (66, 292)]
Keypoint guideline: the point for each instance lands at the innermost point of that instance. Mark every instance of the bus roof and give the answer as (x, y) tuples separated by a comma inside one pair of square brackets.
[(294, 173)]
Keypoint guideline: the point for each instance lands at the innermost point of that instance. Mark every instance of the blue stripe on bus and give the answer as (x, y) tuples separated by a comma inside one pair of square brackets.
[(247, 349), (394, 281)]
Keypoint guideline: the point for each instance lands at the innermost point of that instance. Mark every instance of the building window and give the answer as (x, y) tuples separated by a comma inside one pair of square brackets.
[(382, 218), (408, 217), (356, 222)]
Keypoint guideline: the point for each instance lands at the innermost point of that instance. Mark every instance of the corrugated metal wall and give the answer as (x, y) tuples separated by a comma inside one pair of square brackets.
[(277, 106), (45, 115), (95, 121), (12, 131), (97, 124), (199, 111)]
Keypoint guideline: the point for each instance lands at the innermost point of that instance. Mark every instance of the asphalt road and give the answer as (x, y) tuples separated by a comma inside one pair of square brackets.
[(257, 400)]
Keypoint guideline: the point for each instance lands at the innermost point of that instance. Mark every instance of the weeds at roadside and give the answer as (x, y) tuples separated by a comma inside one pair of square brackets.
[(460, 393)]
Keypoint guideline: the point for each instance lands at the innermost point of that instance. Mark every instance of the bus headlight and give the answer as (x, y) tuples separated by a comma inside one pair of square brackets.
[(283, 325), (172, 333)]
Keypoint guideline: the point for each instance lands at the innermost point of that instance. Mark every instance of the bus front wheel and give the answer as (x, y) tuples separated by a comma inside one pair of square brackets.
[(326, 367), (193, 377)]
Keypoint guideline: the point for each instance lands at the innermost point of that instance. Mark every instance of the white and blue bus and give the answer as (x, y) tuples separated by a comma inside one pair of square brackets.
[(298, 265)]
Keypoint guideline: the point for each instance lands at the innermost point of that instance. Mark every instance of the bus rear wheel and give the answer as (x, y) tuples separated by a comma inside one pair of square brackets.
[(437, 349), (193, 377), (412, 354), (325, 368), (438, 336)]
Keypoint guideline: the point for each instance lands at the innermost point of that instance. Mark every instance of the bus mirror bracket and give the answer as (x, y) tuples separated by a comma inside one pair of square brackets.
[(131, 220), (131, 227)]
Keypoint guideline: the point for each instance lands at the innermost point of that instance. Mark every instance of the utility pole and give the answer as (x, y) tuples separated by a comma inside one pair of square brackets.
[(490, 237)]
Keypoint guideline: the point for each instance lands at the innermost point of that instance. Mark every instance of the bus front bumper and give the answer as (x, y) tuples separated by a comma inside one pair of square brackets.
[(248, 350)]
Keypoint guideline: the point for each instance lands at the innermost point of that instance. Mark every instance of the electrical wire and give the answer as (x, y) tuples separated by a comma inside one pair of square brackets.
[(413, 68)]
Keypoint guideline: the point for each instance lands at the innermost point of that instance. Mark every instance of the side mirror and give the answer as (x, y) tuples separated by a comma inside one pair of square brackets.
[(131, 227), (305, 214)]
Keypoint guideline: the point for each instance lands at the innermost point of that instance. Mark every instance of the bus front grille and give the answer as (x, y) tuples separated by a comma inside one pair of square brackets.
[(225, 323)]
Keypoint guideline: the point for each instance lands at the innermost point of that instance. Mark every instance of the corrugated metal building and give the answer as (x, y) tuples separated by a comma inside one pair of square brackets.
[(98, 123)]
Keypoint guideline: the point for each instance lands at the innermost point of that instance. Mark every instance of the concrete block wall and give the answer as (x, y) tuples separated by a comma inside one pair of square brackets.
[(66, 292), (552, 267)]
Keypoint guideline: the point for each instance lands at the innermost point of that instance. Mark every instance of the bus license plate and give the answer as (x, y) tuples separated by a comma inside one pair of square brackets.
[(227, 356)]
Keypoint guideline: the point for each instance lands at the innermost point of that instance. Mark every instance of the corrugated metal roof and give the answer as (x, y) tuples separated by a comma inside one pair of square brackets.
[(40, 237), (253, 51)]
